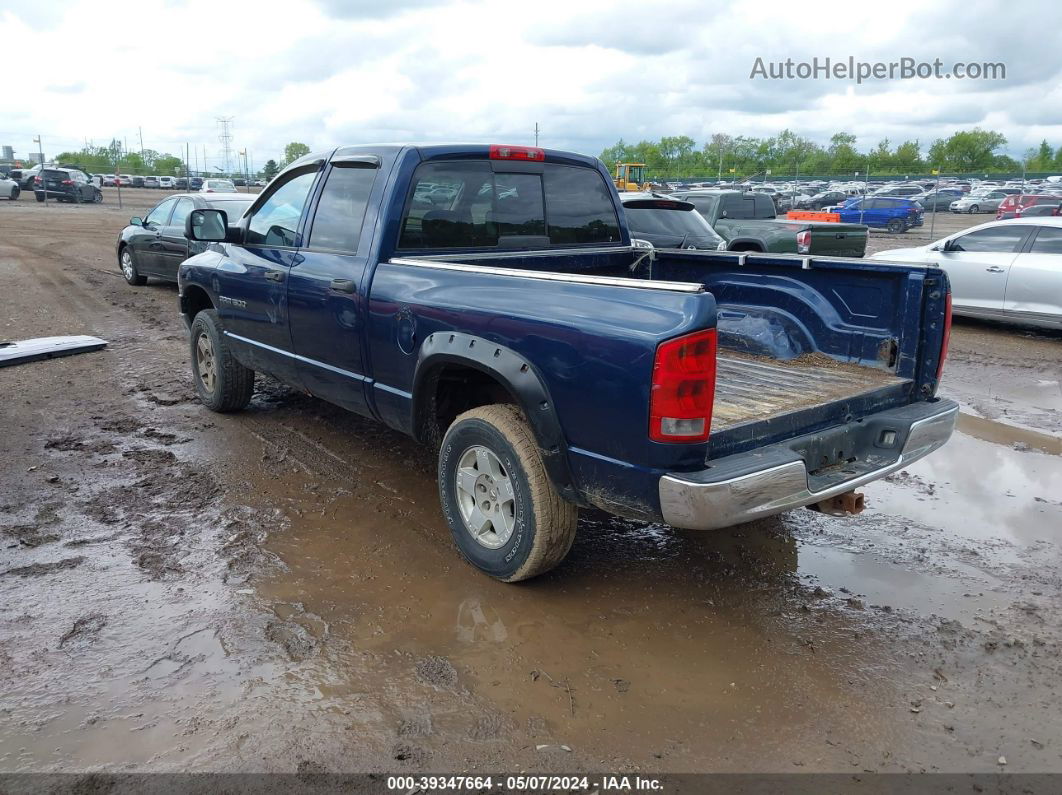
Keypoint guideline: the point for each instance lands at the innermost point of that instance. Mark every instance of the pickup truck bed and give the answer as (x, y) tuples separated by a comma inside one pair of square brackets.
[(754, 390)]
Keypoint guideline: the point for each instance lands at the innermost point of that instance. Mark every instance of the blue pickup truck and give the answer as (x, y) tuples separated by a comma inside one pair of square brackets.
[(488, 301)]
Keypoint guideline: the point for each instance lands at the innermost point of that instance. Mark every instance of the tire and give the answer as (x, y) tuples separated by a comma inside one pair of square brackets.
[(39, 198), (97, 197), (127, 262), (895, 226), (15, 192), (222, 383), (542, 526), (973, 209)]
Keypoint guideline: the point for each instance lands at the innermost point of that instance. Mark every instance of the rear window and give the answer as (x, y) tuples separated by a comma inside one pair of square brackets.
[(468, 205), (677, 221), (233, 207), (51, 173)]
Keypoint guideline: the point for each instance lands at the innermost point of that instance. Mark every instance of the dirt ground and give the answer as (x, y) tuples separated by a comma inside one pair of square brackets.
[(276, 590)]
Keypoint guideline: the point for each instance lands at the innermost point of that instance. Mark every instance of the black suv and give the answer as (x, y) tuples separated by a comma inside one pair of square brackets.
[(65, 184)]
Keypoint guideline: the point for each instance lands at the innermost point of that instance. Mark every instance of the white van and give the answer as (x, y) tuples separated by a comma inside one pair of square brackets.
[(167, 183)]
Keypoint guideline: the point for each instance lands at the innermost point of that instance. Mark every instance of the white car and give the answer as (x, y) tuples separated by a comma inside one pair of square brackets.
[(218, 186), (1003, 270), (9, 188), (167, 183)]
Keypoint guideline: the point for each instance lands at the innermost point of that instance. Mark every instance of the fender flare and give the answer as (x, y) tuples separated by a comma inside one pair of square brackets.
[(517, 375), (761, 248)]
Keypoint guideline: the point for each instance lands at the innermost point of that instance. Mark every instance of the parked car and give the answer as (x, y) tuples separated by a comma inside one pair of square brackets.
[(899, 190), (181, 183), (138, 181), (939, 199), (168, 183), (154, 246), (218, 186), (1002, 270), (882, 212), (66, 184), (239, 182), (126, 180), (668, 223), (826, 198), (259, 183), (151, 182), (553, 364), (747, 221), (9, 188), (28, 177), (109, 180), (195, 183), (1039, 211), (1011, 203), (979, 202)]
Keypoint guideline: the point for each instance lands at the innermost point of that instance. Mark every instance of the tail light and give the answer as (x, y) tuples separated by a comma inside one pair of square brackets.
[(533, 153), (804, 242), (67, 182), (947, 336), (38, 181), (683, 389)]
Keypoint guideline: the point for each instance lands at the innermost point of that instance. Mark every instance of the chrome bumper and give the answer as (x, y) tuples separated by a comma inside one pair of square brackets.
[(700, 503)]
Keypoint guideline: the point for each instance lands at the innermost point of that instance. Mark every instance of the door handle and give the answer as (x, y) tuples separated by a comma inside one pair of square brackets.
[(995, 269), (275, 276), (342, 286)]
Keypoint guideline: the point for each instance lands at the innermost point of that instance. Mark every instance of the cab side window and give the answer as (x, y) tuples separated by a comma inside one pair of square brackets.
[(159, 215), (341, 210), (275, 221)]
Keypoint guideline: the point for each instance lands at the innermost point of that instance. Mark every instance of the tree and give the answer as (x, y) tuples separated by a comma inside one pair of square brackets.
[(270, 169), (294, 151)]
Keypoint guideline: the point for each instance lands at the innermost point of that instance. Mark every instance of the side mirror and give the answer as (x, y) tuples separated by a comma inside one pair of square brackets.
[(639, 243), (206, 225), (136, 220)]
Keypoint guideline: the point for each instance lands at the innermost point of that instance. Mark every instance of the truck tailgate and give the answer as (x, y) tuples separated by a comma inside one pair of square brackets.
[(830, 239)]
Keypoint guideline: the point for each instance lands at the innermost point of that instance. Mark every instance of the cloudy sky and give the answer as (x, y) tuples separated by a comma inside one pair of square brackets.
[(588, 71)]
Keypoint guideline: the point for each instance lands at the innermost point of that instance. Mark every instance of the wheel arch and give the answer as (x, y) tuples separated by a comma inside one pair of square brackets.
[(194, 299), (456, 372), (746, 244)]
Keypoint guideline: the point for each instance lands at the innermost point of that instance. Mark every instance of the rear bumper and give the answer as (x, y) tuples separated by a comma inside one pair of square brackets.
[(773, 479)]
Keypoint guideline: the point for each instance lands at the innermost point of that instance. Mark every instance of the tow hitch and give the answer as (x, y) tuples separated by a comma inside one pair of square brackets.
[(851, 502)]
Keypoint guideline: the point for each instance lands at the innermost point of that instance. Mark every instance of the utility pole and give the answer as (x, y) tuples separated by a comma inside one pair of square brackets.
[(140, 132), (225, 136), (536, 133), (40, 148)]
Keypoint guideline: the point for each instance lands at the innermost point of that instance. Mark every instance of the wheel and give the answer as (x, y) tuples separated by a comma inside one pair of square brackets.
[(896, 225), (973, 209), (504, 514), (15, 192), (222, 383), (97, 197), (40, 196), (129, 269)]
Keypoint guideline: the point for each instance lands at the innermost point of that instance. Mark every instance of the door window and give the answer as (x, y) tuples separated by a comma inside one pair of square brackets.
[(341, 210), (276, 219), (180, 212), (1048, 241), (159, 215), (993, 240)]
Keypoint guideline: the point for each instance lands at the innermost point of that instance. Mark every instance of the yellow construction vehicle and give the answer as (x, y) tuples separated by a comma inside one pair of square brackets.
[(630, 176)]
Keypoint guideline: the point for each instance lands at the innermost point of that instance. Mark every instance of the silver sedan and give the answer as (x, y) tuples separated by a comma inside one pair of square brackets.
[(981, 202), (1004, 270)]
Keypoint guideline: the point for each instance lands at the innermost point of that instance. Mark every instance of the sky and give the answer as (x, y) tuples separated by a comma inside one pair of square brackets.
[(588, 72)]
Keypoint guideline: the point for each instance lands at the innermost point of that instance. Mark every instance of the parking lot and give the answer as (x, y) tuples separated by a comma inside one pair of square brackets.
[(277, 589)]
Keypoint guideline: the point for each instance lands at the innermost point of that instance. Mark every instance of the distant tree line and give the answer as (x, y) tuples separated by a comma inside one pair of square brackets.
[(789, 154), (107, 159)]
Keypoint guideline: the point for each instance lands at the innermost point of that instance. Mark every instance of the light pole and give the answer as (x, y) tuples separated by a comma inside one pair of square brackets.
[(40, 149)]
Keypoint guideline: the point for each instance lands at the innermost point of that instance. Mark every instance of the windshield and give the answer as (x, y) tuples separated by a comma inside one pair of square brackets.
[(678, 222)]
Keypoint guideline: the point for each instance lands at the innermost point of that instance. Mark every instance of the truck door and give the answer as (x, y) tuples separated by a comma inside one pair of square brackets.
[(252, 280), (326, 291)]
